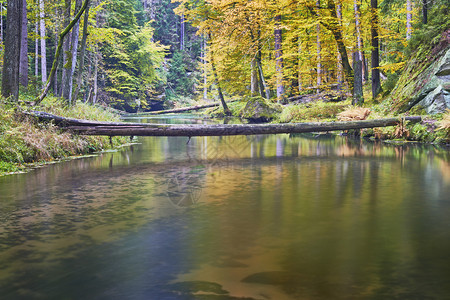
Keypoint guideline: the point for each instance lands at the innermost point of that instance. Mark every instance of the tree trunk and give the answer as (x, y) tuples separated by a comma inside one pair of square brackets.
[(278, 57), (226, 110), (67, 64), (86, 127), (82, 55), (408, 19), (319, 49), (23, 67), (1, 22), (11, 57), (364, 61), (253, 78), (299, 71), (73, 55), (182, 30), (332, 24), (357, 11), (425, 11), (43, 44), (358, 86), (340, 75), (58, 62), (178, 110), (36, 47), (264, 90), (58, 51), (205, 70), (95, 85), (376, 83)]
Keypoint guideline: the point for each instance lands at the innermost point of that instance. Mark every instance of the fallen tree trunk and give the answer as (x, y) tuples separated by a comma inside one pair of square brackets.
[(84, 127), (178, 110)]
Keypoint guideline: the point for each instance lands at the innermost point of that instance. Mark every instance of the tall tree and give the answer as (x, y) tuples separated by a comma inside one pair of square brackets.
[(279, 57), (13, 32), (1, 22), (408, 19), (67, 65), (82, 54), (319, 50), (357, 59), (376, 83), (425, 11), (43, 42), (73, 56), (58, 51), (23, 65)]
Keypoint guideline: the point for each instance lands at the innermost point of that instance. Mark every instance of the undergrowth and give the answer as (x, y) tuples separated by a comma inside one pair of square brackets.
[(24, 141), (313, 111)]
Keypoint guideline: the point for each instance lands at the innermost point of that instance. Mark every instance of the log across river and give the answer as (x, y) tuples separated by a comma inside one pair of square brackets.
[(85, 127)]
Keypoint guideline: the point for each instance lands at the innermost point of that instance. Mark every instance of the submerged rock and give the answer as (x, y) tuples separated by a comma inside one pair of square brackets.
[(257, 110)]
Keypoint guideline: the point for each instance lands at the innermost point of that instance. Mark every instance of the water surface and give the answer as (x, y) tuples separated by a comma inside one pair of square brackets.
[(263, 217)]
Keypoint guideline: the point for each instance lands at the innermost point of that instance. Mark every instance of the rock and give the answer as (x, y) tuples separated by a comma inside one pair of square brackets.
[(437, 92), (425, 80), (257, 110)]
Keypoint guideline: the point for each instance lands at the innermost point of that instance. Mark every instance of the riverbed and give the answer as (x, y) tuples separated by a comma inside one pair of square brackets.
[(258, 217)]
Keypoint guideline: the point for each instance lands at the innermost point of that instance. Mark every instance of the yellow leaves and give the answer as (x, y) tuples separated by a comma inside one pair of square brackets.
[(102, 35), (393, 67)]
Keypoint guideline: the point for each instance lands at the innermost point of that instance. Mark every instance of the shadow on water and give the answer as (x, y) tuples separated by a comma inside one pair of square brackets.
[(263, 217)]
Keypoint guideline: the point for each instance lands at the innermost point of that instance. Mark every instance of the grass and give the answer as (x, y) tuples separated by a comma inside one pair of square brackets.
[(24, 141), (313, 111)]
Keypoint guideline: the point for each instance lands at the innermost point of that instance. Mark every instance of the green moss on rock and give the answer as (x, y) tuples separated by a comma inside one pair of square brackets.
[(259, 110)]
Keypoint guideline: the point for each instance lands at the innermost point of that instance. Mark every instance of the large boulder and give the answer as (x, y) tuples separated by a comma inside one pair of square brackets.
[(436, 93), (257, 110), (426, 80)]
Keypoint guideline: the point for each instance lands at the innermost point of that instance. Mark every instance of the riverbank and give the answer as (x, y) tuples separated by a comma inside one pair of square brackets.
[(25, 143), (433, 129)]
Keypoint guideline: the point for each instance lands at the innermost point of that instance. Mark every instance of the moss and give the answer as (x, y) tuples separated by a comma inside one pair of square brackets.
[(257, 109), (313, 111)]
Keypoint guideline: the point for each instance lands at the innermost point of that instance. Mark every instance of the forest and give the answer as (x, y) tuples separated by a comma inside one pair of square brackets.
[(129, 53), (309, 59)]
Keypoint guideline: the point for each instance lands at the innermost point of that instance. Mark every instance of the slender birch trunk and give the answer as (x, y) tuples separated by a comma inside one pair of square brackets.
[(253, 78), (408, 19), (95, 87), (1, 22), (182, 29), (36, 47)]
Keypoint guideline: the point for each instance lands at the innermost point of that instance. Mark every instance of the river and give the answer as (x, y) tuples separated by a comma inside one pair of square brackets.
[(238, 217)]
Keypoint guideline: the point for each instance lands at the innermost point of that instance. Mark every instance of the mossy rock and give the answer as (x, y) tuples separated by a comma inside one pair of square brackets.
[(257, 110), (425, 81)]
